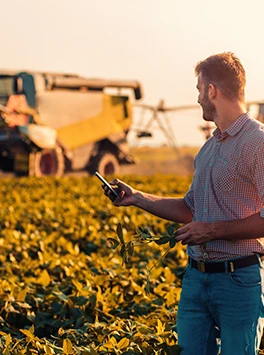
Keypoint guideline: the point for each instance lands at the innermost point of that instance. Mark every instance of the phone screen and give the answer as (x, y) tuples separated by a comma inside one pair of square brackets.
[(106, 183)]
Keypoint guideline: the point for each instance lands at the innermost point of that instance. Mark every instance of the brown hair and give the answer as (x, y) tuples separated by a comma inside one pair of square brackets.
[(226, 72)]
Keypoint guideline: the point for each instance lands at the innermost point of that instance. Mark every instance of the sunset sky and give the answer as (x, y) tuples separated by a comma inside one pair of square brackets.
[(157, 42)]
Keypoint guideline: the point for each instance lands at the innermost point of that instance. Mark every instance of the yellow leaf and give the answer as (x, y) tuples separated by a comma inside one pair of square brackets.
[(22, 295), (67, 346), (171, 299), (48, 349), (27, 333), (170, 277), (61, 331), (113, 341), (32, 329), (78, 285), (44, 278), (173, 296), (100, 338), (72, 250), (160, 327), (8, 340), (123, 343), (107, 346)]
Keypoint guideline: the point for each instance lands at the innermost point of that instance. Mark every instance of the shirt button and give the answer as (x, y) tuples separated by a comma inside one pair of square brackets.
[(206, 187), (205, 209)]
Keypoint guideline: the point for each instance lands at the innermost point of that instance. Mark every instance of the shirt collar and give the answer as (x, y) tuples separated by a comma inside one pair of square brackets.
[(233, 129)]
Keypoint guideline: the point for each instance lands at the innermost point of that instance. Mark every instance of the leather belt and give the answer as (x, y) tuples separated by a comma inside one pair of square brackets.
[(225, 266)]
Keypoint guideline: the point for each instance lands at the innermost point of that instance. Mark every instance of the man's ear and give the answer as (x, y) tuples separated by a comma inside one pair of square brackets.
[(212, 91)]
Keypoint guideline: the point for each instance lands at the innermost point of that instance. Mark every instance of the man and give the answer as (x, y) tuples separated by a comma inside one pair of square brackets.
[(223, 213)]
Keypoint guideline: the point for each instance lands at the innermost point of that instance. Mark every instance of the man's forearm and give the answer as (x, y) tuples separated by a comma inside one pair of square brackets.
[(247, 228), (172, 209)]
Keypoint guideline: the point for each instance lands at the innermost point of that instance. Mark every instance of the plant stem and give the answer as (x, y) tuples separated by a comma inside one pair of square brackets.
[(162, 256)]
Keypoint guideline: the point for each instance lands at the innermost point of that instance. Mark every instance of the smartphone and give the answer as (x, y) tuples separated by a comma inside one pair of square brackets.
[(106, 183)]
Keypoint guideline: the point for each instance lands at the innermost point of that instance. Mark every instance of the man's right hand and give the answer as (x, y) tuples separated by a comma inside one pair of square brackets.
[(126, 194)]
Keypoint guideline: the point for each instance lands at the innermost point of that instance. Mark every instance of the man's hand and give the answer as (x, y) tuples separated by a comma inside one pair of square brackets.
[(195, 233), (126, 194)]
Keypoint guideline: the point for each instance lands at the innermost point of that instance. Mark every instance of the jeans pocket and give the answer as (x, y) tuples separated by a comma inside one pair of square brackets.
[(246, 277)]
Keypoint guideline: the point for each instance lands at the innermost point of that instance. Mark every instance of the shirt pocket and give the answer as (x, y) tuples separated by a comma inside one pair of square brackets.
[(225, 173)]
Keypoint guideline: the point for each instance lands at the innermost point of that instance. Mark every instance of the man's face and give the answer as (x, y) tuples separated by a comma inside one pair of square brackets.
[(209, 110)]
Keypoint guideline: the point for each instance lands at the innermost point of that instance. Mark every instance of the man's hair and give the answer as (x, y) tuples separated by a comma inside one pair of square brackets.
[(225, 71)]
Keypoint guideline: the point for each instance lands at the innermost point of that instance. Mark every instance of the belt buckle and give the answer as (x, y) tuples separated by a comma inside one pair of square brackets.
[(201, 266)]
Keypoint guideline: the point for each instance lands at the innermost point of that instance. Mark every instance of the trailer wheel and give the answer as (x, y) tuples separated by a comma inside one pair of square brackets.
[(47, 162), (105, 163)]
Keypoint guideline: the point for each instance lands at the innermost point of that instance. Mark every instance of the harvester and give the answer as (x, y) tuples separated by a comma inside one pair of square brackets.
[(51, 123)]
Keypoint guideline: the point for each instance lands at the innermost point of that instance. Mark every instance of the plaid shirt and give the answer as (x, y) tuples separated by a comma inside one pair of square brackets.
[(228, 184)]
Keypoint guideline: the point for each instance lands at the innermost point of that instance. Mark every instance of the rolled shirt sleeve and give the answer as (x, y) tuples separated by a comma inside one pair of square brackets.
[(189, 199)]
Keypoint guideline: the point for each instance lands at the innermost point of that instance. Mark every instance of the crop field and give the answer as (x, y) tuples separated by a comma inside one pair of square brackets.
[(64, 285), (65, 290), (162, 159)]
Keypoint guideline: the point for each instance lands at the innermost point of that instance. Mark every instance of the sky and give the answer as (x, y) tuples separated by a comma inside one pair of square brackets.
[(157, 42)]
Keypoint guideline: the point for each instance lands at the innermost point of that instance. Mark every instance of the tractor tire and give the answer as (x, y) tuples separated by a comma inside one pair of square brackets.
[(47, 162), (105, 163)]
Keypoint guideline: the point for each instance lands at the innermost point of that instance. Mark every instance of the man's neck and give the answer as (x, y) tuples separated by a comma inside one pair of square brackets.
[(228, 115)]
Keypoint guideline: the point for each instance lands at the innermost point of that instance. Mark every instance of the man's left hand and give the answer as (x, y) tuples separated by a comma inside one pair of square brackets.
[(195, 233)]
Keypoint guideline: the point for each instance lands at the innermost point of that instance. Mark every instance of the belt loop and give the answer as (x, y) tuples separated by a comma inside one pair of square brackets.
[(259, 260), (232, 268), (226, 266)]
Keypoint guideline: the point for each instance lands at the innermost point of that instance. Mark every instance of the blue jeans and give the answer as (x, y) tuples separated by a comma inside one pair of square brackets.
[(226, 308)]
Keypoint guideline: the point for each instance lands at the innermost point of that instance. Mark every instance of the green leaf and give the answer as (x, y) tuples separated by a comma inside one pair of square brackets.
[(162, 240), (123, 253), (114, 242), (130, 248), (120, 234), (172, 242), (170, 230), (148, 284), (143, 234)]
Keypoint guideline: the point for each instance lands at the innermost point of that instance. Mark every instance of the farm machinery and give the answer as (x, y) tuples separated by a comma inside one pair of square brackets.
[(51, 123)]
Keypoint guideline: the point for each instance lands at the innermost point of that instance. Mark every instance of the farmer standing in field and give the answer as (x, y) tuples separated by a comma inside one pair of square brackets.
[(223, 213)]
